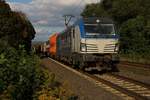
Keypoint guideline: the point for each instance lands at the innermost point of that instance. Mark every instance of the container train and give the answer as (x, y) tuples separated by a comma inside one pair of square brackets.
[(89, 44)]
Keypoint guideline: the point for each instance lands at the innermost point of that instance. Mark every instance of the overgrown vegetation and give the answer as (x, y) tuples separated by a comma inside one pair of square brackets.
[(132, 19), (21, 74), (23, 78)]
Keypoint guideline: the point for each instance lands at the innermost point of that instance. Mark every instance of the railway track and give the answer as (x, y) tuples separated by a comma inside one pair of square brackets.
[(139, 65), (135, 89), (124, 87)]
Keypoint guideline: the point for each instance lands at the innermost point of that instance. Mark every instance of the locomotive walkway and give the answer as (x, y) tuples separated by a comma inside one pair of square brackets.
[(83, 86)]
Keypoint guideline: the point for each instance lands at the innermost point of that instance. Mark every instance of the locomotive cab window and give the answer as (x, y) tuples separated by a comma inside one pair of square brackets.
[(96, 29)]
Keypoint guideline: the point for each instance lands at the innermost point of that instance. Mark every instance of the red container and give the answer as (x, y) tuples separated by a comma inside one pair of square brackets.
[(52, 48)]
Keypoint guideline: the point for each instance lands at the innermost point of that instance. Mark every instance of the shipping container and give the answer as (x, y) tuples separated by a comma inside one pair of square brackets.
[(53, 45)]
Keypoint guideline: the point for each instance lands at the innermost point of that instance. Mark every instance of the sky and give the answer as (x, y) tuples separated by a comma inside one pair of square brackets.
[(46, 15)]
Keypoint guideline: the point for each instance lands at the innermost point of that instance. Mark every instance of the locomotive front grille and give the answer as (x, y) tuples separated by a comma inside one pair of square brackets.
[(109, 48), (91, 48)]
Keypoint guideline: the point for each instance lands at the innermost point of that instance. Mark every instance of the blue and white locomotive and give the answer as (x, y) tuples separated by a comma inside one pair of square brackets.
[(90, 43)]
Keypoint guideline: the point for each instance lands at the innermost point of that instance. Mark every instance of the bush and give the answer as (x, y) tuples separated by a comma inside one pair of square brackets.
[(134, 41), (20, 74), (23, 78)]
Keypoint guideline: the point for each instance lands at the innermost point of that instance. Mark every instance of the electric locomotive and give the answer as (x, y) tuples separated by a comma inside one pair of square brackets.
[(90, 44)]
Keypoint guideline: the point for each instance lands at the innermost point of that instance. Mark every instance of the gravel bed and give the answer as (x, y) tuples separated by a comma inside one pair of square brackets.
[(84, 89)]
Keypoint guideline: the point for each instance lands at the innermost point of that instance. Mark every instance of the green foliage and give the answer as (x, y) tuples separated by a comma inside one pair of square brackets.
[(20, 74), (23, 78), (132, 19), (132, 36), (94, 10)]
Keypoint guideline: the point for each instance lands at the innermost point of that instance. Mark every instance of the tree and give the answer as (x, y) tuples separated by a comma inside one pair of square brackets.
[(94, 10), (15, 28), (133, 36), (4, 8), (3, 1)]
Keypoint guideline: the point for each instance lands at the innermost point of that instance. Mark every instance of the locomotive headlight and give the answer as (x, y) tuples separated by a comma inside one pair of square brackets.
[(98, 21), (83, 47)]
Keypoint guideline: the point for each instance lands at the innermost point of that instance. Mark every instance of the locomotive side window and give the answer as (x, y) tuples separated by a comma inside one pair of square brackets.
[(73, 33)]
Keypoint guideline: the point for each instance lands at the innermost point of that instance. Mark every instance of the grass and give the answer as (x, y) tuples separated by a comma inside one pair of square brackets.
[(135, 58)]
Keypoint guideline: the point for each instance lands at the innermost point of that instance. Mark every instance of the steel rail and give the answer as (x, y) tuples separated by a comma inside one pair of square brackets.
[(117, 87), (130, 64), (131, 80), (124, 89)]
